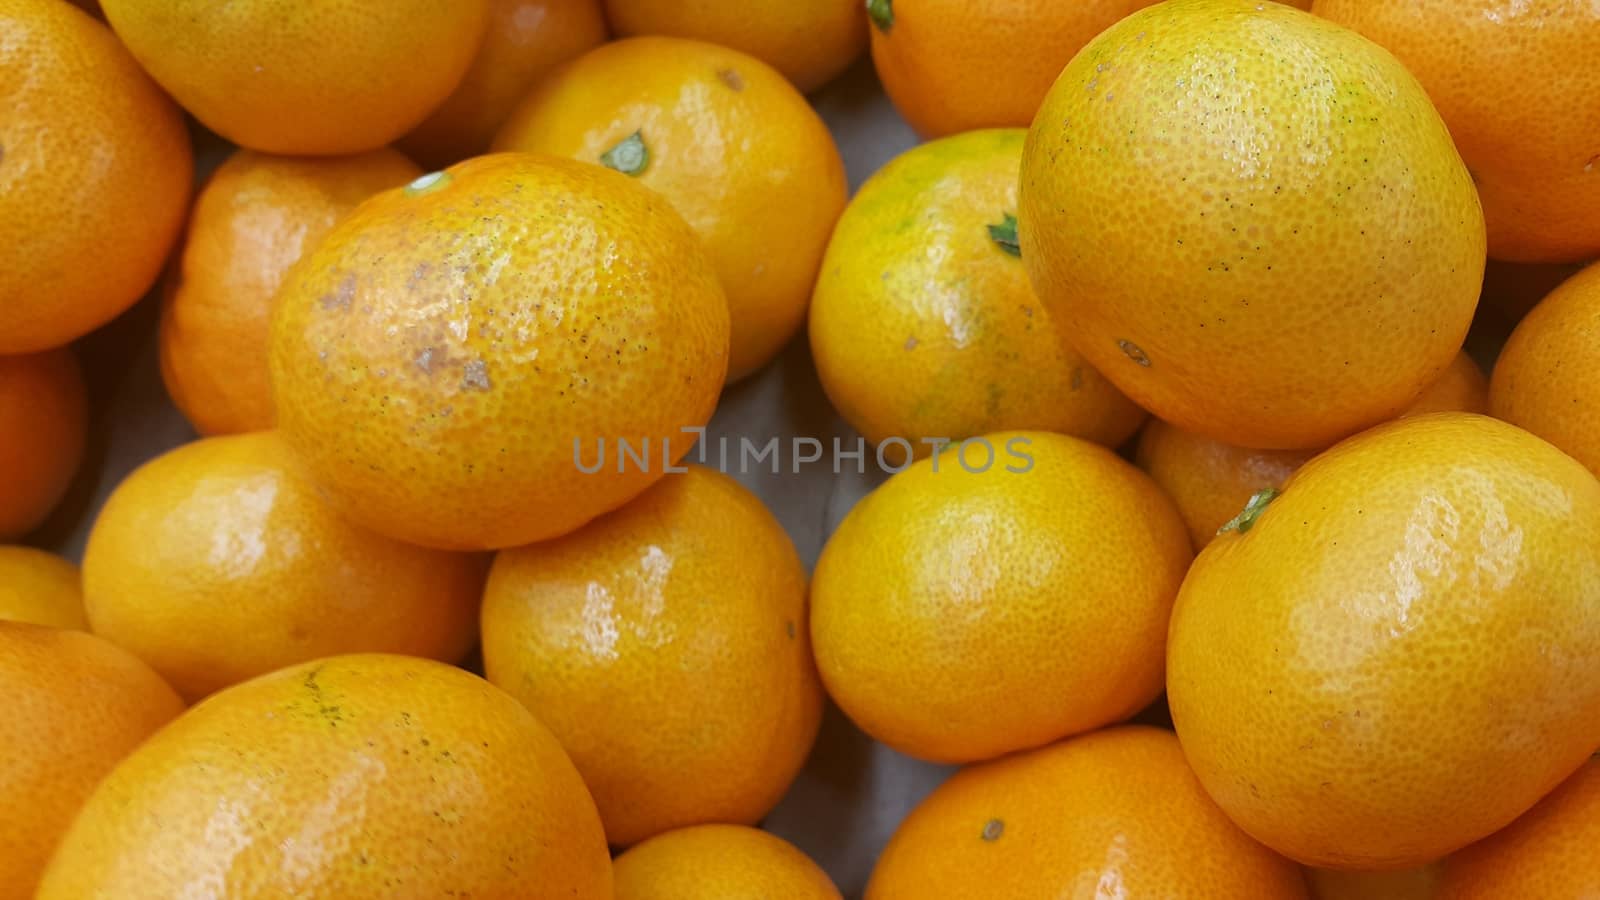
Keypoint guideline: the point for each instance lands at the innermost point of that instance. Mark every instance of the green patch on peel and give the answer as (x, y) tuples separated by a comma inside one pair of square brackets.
[(630, 156), (1005, 235)]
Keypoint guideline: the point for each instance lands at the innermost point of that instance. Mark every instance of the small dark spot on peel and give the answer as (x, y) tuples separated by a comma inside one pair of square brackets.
[(731, 78), (1077, 378), (993, 829), (789, 627), (911, 342), (1133, 352)]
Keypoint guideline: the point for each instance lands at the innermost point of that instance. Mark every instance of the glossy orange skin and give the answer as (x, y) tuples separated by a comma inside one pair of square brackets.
[(809, 42), (40, 588), (1211, 481), (44, 417), (946, 598), (1427, 590), (665, 645), (1548, 853), (955, 65), (526, 41), (1516, 84), (436, 357), (217, 562), (1114, 813), (356, 776), (253, 220), (1237, 265), (1544, 380), (923, 327), (730, 142), (88, 145), (720, 862), (287, 77), (75, 705)]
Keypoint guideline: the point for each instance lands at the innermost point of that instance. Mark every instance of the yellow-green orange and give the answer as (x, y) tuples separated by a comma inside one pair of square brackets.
[(720, 862), (923, 324), (1428, 590), (41, 589), (1252, 221)]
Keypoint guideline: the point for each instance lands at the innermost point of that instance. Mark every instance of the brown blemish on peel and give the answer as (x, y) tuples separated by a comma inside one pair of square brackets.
[(731, 78), (992, 830), (1134, 353), (475, 376)]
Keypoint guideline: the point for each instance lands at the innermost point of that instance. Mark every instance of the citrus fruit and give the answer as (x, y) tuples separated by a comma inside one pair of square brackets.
[(255, 217), (949, 596), (43, 419), (1427, 590), (727, 141), (1544, 380), (1210, 481), (720, 862), (923, 324), (1404, 884), (439, 356), (1111, 814), (1547, 853), (665, 645), (41, 589), (75, 705), (956, 65), (1516, 86), (1252, 221), (216, 562), (808, 42), (313, 79), (526, 41), (356, 776), (88, 147)]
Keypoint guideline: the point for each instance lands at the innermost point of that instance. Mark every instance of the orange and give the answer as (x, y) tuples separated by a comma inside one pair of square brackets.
[(357, 776), (216, 562), (1516, 84), (924, 326), (1112, 814), (95, 170), (1547, 853), (283, 76), (1545, 378), (1404, 884), (956, 65), (440, 356), (951, 594), (665, 645), (720, 862), (75, 705), (727, 141), (1238, 267), (526, 41), (41, 589), (808, 42), (255, 217), (1397, 656), (44, 416), (1210, 481)]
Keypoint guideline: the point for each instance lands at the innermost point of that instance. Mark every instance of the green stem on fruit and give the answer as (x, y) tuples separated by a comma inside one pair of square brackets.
[(1246, 519), (630, 156), (1005, 235), (881, 12)]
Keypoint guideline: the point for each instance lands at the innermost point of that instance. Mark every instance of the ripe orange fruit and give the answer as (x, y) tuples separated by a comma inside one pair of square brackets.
[(526, 41), (255, 217), (278, 76), (1405, 884), (1111, 814), (75, 705), (1210, 481), (665, 645), (438, 358), (1240, 268), (726, 140), (95, 170), (43, 419), (923, 324), (947, 597), (1515, 84), (1427, 590), (1545, 378), (1547, 853), (216, 562), (41, 589), (809, 42), (956, 65), (720, 862), (357, 776)]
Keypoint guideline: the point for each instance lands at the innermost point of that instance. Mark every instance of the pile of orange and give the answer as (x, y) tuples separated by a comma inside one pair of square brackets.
[(1216, 533)]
